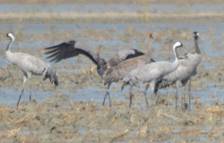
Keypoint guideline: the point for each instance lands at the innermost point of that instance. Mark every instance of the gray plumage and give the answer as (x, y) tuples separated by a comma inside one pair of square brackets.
[(110, 71), (29, 65), (123, 55), (118, 72), (152, 72), (68, 49), (186, 69), (121, 70)]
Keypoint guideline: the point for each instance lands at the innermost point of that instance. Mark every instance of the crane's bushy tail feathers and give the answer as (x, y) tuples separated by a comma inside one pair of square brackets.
[(163, 84), (51, 75), (124, 85), (152, 60)]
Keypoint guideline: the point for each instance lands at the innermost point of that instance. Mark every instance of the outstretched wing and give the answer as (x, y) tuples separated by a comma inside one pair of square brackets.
[(130, 53), (123, 55), (61, 51), (66, 50)]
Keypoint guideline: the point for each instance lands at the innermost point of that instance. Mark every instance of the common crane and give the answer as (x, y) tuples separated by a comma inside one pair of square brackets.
[(29, 65), (110, 71), (118, 72), (186, 69), (151, 73)]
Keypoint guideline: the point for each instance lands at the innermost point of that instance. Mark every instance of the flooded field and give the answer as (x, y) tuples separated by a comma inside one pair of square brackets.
[(72, 112)]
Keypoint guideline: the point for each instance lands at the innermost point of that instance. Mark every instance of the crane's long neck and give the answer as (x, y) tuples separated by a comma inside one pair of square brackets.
[(149, 47), (197, 50), (87, 54), (99, 62), (175, 53), (10, 45)]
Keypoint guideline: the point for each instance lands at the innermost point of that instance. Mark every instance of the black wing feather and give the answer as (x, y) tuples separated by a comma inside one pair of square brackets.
[(61, 51), (66, 50), (136, 54)]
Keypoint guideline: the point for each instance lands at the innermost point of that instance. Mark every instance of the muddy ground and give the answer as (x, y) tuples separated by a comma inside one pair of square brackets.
[(60, 117), (57, 119)]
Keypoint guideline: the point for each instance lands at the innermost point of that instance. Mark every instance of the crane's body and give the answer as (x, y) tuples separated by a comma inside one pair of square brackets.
[(118, 72), (151, 72), (186, 69), (29, 65), (110, 71), (123, 55)]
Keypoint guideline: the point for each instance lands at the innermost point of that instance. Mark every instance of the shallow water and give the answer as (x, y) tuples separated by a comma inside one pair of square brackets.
[(208, 96), (9, 96)]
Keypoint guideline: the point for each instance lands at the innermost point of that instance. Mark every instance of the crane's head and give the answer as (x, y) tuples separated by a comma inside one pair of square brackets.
[(101, 63), (178, 45), (101, 66), (11, 36), (72, 42), (196, 35)]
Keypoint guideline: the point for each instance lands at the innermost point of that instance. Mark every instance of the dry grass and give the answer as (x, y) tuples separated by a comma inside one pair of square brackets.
[(58, 119), (106, 16)]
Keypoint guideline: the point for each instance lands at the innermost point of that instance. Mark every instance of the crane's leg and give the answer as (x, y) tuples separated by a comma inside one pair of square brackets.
[(22, 91), (176, 96), (177, 93), (157, 97), (183, 98), (30, 96), (105, 97), (184, 105), (130, 96), (189, 95), (154, 92), (107, 94), (145, 94)]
